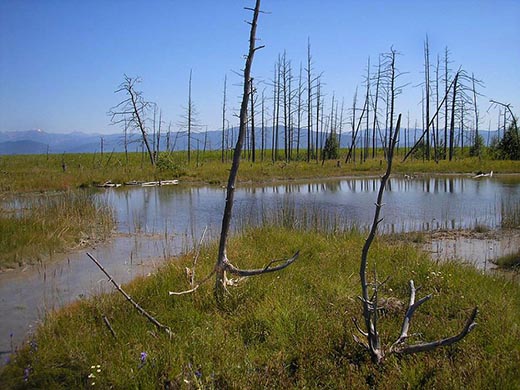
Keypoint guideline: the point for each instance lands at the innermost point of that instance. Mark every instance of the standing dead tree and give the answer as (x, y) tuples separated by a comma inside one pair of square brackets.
[(370, 301), (132, 111), (223, 266)]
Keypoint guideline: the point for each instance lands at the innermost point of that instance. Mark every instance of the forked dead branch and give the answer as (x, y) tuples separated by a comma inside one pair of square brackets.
[(372, 340)]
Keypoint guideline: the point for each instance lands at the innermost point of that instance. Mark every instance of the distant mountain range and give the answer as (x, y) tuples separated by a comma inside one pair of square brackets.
[(41, 142)]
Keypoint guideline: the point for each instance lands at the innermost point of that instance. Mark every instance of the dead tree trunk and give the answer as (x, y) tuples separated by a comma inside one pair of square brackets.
[(376, 100), (309, 101), (189, 113), (223, 265), (452, 122), (370, 300), (224, 119), (299, 112), (427, 94)]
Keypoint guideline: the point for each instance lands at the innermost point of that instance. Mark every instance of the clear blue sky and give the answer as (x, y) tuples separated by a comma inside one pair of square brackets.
[(61, 60)]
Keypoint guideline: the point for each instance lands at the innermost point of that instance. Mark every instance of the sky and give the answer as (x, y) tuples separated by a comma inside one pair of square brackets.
[(62, 60)]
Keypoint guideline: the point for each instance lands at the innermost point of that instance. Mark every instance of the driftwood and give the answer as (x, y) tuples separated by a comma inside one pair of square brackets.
[(131, 300), (371, 339)]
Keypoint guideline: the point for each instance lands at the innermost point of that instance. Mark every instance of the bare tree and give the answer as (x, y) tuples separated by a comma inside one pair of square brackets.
[(367, 98), (253, 143), (189, 122), (299, 106), (224, 118), (376, 100), (427, 93), (133, 110), (223, 265), (446, 88), (370, 301), (452, 122), (309, 101)]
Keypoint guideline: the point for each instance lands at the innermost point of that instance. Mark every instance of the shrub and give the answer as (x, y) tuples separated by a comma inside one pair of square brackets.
[(331, 148)]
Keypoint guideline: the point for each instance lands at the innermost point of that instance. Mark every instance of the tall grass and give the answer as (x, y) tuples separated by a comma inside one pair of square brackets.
[(42, 172), (510, 214), (287, 330), (38, 226)]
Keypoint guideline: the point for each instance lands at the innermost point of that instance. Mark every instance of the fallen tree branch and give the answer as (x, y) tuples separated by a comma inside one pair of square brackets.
[(424, 347), (107, 323), (130, 299), (252, 272)]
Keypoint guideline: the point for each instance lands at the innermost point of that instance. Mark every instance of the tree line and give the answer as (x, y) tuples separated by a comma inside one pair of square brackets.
[(290, 117)]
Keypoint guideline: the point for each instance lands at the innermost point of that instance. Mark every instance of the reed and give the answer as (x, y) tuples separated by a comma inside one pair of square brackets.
[(35, 227)]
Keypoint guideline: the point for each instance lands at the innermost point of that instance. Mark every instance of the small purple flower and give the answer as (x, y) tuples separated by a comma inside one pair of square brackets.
[(26, 373), (142, 359), (198, 373), (34, 345)]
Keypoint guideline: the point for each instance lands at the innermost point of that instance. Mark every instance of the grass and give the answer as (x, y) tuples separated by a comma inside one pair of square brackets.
[(286, 330), (40, 225), (509, 261), (45, 172), (510, 212)]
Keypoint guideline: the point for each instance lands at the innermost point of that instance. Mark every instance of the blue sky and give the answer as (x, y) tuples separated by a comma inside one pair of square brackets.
[(60, 61)]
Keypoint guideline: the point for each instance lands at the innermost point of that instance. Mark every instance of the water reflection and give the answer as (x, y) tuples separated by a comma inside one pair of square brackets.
[(410, 205)]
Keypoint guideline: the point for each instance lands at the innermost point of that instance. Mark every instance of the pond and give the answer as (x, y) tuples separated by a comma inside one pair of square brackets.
[(155, 223)]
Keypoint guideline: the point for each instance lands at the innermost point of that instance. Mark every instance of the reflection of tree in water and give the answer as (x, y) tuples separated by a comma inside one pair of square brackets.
[(333, 186)]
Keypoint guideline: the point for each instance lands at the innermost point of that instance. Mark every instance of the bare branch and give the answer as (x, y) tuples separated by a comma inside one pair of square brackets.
[(424, 347), (251, 272), (412, 306), (130, 299)]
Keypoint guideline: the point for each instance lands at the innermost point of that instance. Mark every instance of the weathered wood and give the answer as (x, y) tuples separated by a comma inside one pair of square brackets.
[(223, 265), (130, 299)]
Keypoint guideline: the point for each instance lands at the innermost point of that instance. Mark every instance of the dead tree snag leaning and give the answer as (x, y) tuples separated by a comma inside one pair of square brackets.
[(223, 265), (372, 340)]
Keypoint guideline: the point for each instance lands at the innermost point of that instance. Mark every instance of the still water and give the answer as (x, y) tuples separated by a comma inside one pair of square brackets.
[(157, 222)]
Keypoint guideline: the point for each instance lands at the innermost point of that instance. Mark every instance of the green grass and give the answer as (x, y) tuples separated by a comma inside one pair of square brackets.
[(43, 173), (509, 261), (40, 225), (291, 329), (510, 212)]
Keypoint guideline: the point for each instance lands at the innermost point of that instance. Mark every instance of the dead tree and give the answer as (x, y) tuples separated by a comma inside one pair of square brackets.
[(299, 111), (133, 110), (375, 102), (446, 105), (309, 101), (372, 341), (351, 154), (427, 94), (253, 141), (189, 114), (224, 119), (223, 266), (452, 121), (262, 149), (507, 108), (367, 98), (445, 98)]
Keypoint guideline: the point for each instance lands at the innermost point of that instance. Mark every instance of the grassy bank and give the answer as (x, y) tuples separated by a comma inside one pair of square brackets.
[(287, 330), (40, 225), (60, 172)]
